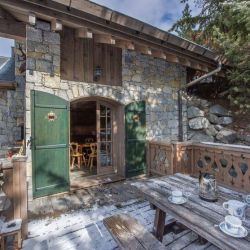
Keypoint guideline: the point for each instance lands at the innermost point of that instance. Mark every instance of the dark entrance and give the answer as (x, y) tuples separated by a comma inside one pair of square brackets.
[(91, 139)]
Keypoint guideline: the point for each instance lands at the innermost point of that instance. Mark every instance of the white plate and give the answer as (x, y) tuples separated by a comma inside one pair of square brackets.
[(182, 201), (241, 234)]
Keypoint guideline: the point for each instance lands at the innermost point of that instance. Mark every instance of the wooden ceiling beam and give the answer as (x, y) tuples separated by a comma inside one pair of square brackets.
[(123, 44), (185, 62), (172, 58), (32, 18), (83, 33), (56, 25), (204, 68), (104, 38), (159, 54), (12, 29), (74, 17), (143, 49), (4, 14)]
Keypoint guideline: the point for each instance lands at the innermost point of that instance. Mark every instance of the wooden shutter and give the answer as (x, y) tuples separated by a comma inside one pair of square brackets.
[(135, 124), (50, 144)]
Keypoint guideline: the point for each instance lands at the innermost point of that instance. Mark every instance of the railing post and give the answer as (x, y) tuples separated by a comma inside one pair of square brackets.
[(20, 201), (174, 156)]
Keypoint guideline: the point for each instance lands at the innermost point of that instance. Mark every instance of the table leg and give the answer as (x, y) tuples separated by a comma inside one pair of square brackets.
[(2, 243), (19, 240), (152, 206), (159, 224)]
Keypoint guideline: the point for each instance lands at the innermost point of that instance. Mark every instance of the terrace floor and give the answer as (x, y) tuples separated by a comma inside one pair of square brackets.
[(97, 196), (74, 221)]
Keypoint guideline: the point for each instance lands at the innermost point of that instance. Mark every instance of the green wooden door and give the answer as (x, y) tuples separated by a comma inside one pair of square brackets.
[(49, 144), (135, 124)]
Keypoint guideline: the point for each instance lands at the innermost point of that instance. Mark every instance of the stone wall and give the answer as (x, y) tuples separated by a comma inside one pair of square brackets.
[(143, 78), (211, 122), (12, 105)]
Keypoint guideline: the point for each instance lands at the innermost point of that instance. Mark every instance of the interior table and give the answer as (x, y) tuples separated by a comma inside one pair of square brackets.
[(198, 215)]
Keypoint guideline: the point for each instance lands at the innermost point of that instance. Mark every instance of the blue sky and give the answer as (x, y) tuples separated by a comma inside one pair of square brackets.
[(5, 46), (159, 13)]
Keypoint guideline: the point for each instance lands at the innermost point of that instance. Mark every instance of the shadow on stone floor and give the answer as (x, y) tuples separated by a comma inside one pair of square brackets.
[(98, 196)]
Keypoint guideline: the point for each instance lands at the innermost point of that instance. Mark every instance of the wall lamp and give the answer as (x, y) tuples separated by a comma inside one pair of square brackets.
[(97, 73)]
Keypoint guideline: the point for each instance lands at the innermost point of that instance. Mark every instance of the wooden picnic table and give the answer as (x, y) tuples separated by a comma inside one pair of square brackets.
[(198, 215)]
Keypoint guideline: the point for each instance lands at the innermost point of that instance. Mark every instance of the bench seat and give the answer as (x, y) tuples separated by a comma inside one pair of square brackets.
[(130, 234)]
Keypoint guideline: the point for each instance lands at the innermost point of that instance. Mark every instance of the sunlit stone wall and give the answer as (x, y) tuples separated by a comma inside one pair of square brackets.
[(12, 102), (143, 78)]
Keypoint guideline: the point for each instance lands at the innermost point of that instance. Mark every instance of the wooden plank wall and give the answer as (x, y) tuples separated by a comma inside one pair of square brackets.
[(80, 56)]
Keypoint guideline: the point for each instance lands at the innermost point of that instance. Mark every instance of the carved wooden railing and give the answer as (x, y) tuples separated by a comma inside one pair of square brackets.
[(160, 158), (230, 164)]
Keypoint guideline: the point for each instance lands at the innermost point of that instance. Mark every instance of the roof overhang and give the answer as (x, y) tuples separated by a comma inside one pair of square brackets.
[(102, 20)]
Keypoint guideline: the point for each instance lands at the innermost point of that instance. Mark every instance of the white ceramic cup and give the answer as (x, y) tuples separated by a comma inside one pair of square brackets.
[(248, 199), (235, 208), (177, 196), (232, 224)]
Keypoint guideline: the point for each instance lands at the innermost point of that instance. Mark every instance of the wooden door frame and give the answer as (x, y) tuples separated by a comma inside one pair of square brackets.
[(118, 131), (98, 116)]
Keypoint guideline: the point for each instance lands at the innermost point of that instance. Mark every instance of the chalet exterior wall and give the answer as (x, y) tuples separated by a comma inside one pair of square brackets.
[(143, 78), (12, 105)]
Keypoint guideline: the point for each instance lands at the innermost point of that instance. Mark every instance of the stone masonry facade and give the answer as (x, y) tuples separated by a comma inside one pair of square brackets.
[(143, 78), (12, 105)]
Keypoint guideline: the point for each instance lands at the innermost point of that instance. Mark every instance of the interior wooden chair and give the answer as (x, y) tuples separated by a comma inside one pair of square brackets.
[(81, 151), (89, 140), (75, 155), (92, 155)]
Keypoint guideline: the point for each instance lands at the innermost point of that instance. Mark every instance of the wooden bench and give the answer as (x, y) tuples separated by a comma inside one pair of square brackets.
[(130, 234)]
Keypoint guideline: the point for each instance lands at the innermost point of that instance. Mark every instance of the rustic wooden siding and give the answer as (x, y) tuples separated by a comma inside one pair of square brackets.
[(79, 58)]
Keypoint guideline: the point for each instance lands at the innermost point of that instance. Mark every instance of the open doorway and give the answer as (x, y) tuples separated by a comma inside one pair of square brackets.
[(94, 130), (83, 136)]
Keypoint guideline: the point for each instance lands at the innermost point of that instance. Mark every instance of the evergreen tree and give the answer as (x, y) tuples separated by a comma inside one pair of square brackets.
[(224, 26)]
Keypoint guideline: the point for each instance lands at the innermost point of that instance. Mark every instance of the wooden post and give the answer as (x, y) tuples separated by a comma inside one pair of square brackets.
[(148, 158), (20, 201), (8, 189), (159, 224)]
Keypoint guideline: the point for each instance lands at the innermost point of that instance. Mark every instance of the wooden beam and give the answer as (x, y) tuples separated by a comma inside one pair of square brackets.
[(185, 62), (4, 14), (32, 18), (103, 38), (204, 68), (75, 17), (143, 49), (12, 29), (83, 33), (56, 25), (172, 58), (159, 54), (123, 44), (7, 85)]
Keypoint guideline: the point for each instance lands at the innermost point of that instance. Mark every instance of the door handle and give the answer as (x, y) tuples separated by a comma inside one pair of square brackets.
[(29, 143)]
